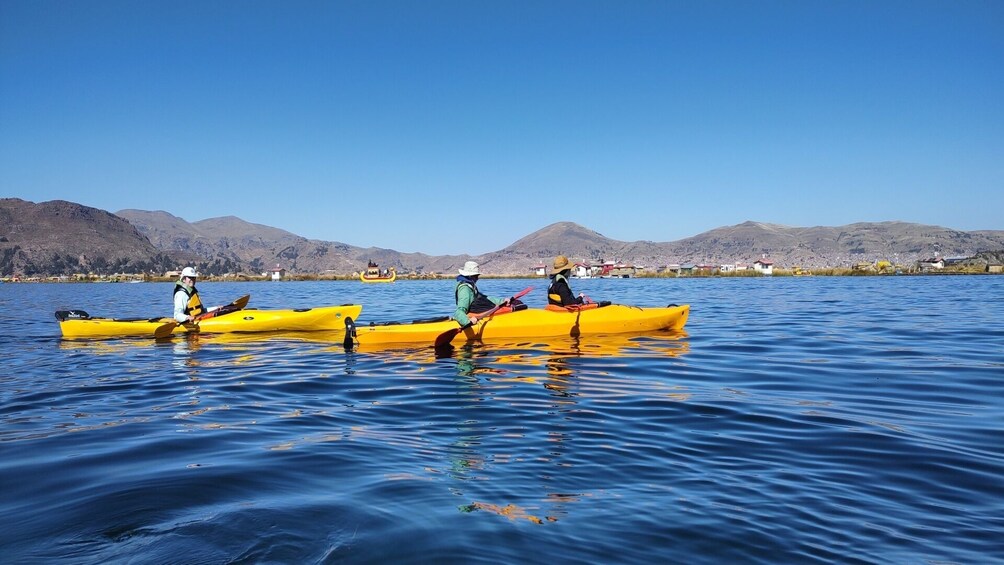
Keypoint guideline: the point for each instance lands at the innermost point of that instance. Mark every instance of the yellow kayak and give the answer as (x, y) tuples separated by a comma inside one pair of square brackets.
[(531, 322), (78, 324)]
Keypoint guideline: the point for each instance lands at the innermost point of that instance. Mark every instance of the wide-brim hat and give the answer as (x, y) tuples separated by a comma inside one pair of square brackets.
[(560, 264), (470, 269)]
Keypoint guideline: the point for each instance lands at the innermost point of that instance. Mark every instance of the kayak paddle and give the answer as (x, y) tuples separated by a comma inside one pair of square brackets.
[(447, 336), (167, 328)]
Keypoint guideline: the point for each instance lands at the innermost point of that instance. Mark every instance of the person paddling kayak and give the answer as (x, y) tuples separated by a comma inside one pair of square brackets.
[(187, 304), (559, 293), (470, 300)]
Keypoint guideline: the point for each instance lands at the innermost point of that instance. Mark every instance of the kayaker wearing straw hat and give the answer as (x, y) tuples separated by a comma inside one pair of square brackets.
[(559, 293), (470, 300)]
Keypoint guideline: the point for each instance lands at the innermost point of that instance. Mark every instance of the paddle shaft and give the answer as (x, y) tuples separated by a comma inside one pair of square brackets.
[(234, 306), (488, 313)]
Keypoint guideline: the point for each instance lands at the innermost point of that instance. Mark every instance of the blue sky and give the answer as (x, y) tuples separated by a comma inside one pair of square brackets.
[(459, 127)]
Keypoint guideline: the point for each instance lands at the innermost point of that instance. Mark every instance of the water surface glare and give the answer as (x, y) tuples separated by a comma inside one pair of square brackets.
[(796, 420)]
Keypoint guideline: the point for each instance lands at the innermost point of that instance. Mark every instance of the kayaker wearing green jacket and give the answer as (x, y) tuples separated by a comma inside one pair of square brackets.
[(559, 293), (470, 300)]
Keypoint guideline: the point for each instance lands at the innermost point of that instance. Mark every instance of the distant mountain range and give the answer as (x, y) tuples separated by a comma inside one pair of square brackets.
[(59, 237)]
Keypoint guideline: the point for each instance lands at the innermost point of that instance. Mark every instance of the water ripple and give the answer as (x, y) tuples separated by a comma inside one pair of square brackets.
[(851, 420)]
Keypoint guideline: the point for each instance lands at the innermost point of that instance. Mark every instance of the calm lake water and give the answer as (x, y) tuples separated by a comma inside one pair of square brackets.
[(797, 420)]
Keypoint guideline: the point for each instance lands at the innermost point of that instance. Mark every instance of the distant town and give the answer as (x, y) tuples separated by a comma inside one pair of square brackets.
[(763, 267)]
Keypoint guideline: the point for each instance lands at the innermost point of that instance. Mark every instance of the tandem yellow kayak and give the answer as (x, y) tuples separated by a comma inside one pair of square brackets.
[(531, 322), (78, 324)]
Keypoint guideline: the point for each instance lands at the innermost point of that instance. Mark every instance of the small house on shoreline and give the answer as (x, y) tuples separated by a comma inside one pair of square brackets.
[(582, 271), (764, 266)]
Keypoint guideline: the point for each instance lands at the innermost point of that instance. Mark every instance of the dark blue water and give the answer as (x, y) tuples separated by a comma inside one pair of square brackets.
[(798, 420)]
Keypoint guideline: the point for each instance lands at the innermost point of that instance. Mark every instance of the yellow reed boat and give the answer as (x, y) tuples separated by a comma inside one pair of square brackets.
[(373, 274)]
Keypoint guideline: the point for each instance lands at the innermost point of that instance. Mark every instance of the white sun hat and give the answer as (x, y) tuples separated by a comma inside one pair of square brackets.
[(470, 269)]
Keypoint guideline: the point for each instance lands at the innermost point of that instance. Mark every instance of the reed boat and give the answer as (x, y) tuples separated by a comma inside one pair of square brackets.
[(373, 274)]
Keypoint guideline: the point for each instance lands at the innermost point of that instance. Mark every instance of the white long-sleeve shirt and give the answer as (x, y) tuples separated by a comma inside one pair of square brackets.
[(180, 301)]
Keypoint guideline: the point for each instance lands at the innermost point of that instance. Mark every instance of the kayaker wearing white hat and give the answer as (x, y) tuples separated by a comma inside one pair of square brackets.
[(470, 300), (187, 304)]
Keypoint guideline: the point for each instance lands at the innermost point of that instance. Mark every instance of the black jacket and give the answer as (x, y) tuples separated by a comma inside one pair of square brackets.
[(559, 293)]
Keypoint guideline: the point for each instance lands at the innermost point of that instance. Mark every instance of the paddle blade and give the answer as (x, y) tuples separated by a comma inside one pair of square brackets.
[(165, 330), (446, 337)]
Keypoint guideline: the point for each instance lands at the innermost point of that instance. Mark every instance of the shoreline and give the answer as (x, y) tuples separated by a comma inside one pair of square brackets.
[(131, 279)]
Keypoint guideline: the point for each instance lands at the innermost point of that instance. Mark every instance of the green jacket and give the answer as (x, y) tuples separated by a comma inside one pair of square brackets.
[(466, 293)]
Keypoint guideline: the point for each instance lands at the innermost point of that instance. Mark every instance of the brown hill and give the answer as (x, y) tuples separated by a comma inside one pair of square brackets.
[(63, 238), (229, 244), (812, 247), (565, 238), (562, 238), (842, 246)]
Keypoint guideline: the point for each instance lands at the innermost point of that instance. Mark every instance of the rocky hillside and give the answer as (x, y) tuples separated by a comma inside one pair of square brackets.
[(843, 246), (63, 238), (815, 247), (229, 244)]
